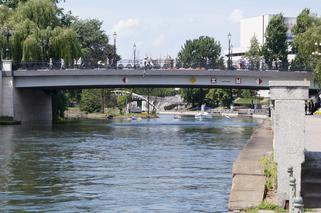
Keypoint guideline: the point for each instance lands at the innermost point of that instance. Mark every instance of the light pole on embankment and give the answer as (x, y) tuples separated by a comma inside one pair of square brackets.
[(134, 48), (115, 54)]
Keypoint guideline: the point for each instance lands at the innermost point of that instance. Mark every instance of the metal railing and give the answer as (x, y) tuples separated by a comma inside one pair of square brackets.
[(155, 65)]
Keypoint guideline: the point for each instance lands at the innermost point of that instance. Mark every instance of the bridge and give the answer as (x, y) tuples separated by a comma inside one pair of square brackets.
[(95, 78), (25, 95)]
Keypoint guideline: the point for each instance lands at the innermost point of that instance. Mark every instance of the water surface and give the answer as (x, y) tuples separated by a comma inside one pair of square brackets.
[(163, 165)]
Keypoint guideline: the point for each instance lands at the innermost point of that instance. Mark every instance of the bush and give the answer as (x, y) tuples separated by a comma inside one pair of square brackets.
[(270, 172), (90, 100)]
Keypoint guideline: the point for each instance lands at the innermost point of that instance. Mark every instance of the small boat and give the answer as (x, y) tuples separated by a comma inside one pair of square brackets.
[(203, 114), (177, 117)]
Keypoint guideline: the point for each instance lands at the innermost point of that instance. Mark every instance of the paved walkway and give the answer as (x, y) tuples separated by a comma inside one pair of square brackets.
[(313, 133), (248, 184)]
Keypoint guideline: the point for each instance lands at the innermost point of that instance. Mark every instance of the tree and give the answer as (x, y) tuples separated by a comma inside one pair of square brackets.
[(305, 20), (14, 3), (90, 100), (254, 54), (219, 97), (194, 96), (275, 48), (122, 102), (94, 41), (59, 105), (306, 34), (305, 43), (203, 52)]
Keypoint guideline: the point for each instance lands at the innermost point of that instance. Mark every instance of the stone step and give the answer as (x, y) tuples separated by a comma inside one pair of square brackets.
[(311, 173), (312, 200), (311, 185)]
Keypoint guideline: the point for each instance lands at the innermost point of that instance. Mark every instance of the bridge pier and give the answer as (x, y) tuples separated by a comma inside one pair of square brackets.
[(23, 105), (289, 129)]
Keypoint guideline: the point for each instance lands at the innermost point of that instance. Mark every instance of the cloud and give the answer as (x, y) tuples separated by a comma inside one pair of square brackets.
[(236, 15), (159, 40), (126, 26)]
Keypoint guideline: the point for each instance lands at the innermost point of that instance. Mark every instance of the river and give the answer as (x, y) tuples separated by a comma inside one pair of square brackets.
[(162, 165)]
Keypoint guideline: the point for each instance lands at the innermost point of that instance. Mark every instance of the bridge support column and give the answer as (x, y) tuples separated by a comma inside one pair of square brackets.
[(24, 105), (289, 129)]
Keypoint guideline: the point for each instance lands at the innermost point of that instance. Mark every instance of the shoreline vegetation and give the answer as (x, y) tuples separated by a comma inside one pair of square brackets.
[(74, 113)]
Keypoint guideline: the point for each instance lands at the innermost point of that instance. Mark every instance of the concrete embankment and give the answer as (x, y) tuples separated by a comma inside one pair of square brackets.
[(248, 185)]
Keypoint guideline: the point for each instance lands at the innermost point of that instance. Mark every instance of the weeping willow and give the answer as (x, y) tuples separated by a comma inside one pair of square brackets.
[(38, 34), (64, 44), (31, 49)]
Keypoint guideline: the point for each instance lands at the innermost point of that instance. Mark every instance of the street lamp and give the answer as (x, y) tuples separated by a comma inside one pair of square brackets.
[(114, 58), (229, 36), (7, 33), (134, 55)]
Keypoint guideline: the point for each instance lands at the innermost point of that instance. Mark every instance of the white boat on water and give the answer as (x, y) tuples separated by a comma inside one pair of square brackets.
[(203, 114)]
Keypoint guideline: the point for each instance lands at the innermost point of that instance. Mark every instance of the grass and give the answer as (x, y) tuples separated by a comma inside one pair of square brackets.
[(265, 206), (270, 172), (248, 101)]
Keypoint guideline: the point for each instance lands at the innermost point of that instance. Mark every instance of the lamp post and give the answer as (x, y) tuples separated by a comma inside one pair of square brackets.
[(7, 33), (114, 58), (134, 55), (229, 36)]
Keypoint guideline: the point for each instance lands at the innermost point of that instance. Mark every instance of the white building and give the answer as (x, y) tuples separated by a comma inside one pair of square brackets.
[(256, 26)]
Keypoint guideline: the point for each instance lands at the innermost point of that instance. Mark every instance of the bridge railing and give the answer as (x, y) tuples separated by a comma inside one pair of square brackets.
[(60, 65)]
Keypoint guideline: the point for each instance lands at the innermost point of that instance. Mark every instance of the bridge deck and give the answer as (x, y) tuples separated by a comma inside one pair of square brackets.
[(154, 78)]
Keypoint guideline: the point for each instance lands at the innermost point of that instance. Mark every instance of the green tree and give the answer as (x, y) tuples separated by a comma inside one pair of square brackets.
[(59, 105), (93, 40), (90, 100), (254, 54), (14, 3), (305, 20), (203, 52), (306, 34), (194, 96), (275, 48), (219, 97), (121, 103)]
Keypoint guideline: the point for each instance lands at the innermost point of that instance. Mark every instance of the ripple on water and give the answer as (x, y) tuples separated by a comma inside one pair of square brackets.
[(162, 165)]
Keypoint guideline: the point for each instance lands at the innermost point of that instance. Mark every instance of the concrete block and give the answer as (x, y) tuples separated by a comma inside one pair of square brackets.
[(289, 131)]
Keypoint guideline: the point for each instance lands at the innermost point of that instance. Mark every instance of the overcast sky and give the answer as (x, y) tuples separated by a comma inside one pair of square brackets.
[(160, 27)]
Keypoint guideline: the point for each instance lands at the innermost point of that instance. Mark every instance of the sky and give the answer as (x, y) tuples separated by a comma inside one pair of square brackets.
[(161, 27)]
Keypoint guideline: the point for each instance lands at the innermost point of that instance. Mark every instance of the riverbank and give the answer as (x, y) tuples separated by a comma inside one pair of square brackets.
[(74, 113), (248, 184)]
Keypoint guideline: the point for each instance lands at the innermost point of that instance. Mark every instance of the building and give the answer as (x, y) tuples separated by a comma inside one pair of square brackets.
[(256, 26)]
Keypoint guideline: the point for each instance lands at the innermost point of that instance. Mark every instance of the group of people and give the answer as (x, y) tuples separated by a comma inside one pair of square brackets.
[(312, 106)]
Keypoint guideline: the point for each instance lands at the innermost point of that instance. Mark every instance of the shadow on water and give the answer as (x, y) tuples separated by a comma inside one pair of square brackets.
[(162, 165)]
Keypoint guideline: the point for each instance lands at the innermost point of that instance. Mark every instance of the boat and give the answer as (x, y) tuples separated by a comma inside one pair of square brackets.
[(203, 114), (177, 117)]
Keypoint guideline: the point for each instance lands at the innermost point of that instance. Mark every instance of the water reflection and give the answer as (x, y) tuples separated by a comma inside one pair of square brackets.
[(162, 165)]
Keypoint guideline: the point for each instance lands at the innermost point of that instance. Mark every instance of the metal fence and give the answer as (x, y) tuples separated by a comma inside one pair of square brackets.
[(144, 65)]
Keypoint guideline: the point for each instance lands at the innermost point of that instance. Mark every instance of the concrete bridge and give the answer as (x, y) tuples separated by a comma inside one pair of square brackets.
[(26, 96)]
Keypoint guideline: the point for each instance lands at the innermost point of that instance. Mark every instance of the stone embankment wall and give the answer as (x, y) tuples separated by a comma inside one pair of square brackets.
[(248, 185)]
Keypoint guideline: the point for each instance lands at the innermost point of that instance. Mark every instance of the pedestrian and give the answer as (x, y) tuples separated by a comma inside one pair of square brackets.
[(50, 63), (62, 63)]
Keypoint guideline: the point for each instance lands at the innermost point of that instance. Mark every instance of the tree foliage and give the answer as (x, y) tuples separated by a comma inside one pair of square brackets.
[(93, 40), (203, 52), (121, 103), (90, 100), (59, 105), (254, 54), (219, 97), (275, 48)]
